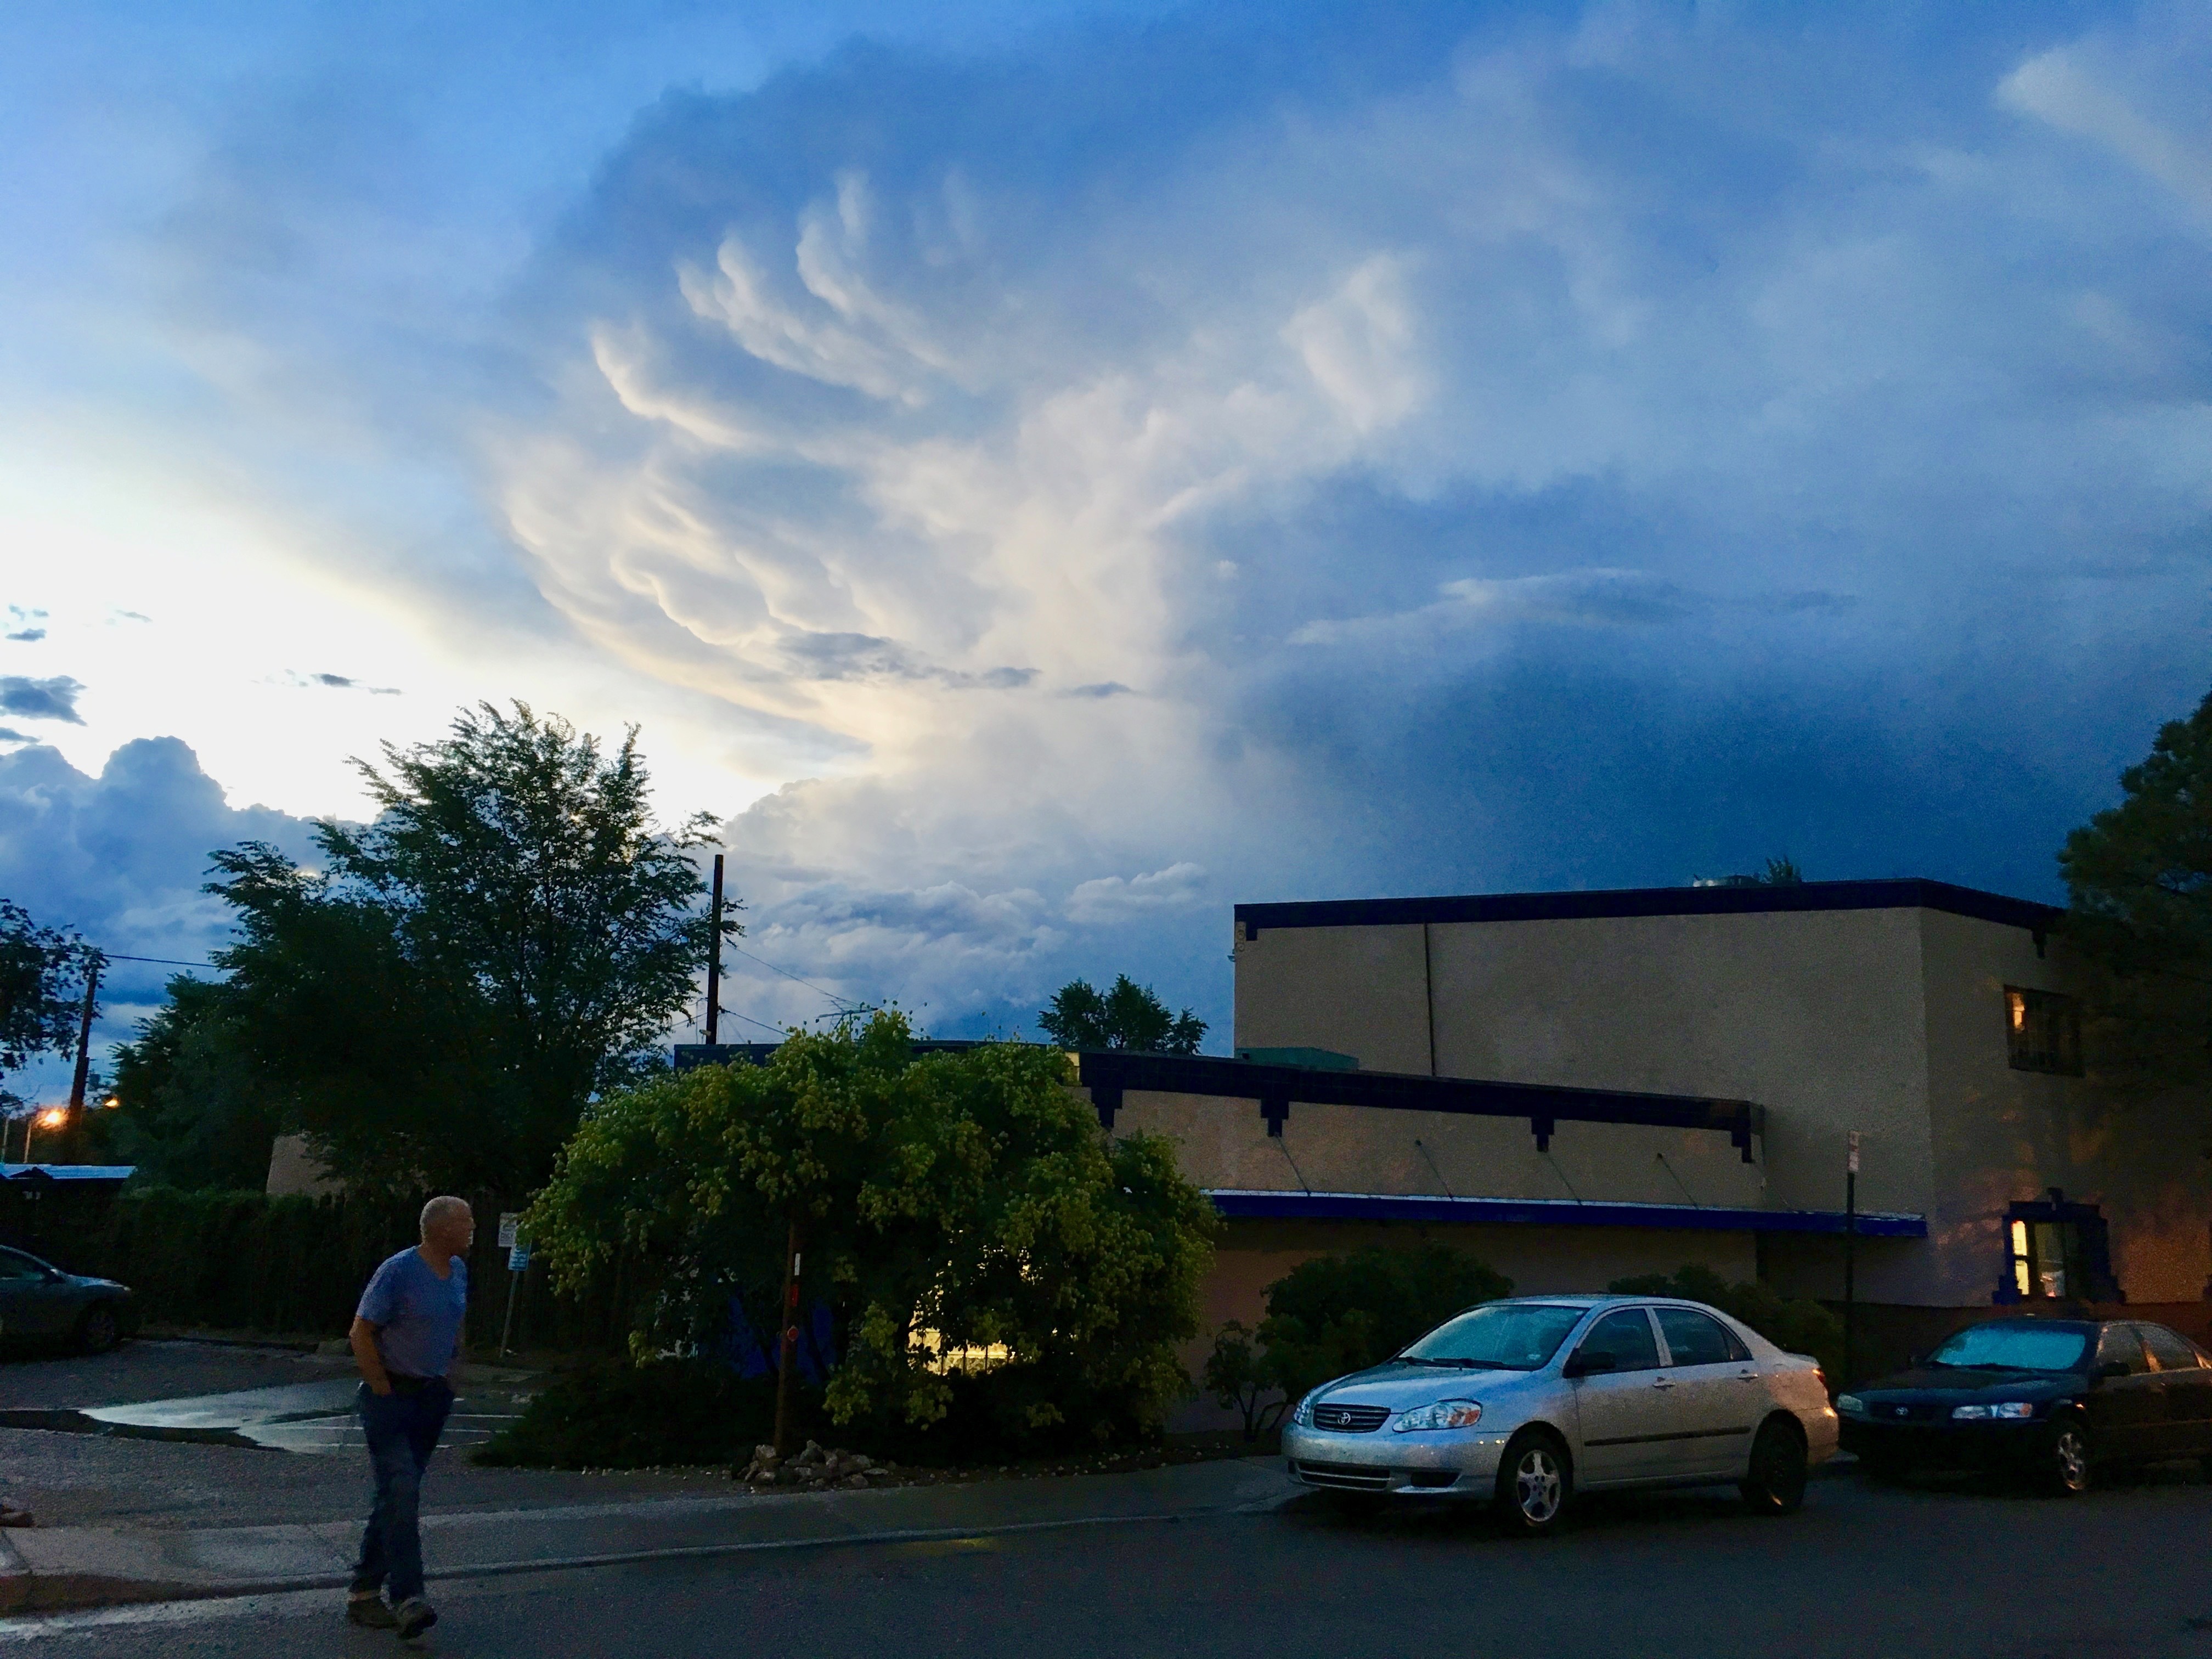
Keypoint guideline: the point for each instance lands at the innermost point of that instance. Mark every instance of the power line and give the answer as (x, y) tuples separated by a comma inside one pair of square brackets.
[(166, 962), (843, 1003)]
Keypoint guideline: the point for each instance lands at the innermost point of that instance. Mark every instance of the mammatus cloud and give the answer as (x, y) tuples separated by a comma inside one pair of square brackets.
[(1493, 450), (51, 699)]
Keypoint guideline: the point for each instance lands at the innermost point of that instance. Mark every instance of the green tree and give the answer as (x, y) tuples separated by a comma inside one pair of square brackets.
[(1337, 1314), (41, 989), (970, 1195), (509, 937), (2139, 880), (1794, 1324), (193, 1112), (1129, 1016)]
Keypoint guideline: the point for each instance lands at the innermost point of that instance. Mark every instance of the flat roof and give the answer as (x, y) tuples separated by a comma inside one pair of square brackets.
[(1901, 894)]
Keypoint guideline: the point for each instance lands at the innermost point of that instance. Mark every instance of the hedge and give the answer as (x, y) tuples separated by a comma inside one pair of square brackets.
[(295, 1264)]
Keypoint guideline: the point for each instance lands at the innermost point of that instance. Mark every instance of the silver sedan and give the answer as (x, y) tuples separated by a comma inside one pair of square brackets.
[(1522, 1403)]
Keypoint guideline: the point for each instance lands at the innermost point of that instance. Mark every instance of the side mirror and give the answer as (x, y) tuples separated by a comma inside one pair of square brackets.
[(2111, 1368), (1588, 1362)]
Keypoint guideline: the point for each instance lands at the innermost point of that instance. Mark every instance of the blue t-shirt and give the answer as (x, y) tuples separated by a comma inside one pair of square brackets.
[(417, 1313)]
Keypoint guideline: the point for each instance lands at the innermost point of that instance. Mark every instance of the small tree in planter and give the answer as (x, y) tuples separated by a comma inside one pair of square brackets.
[(1239, 1379)]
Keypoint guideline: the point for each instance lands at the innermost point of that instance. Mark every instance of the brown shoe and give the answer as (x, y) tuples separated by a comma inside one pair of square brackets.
[(12, 1516)]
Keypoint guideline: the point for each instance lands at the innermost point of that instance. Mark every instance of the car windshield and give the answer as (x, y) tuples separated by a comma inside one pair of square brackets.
[(2013, 1348), (1513, 1336)]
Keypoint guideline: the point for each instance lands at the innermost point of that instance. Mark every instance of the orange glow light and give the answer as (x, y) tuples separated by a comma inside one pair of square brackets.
[(54, 1117)]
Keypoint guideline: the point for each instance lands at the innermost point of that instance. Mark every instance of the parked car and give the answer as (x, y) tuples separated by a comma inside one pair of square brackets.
[(38, 1300), (2052, 1399), (1524, 1403)]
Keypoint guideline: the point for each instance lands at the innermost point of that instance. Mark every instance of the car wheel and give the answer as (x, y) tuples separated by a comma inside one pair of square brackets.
[(1778, 1468), (98, 1331), (2066, 1466), (1535, 1485)]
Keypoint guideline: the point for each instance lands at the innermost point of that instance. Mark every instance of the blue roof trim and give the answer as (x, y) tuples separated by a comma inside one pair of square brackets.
[(1252, 918), (1246, 1205), (68, 1171)]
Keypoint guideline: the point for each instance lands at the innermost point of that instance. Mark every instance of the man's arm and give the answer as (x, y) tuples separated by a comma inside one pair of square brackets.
[(362, 1336)]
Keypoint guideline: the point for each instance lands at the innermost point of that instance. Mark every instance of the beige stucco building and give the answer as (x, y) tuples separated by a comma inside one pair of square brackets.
[(1701, 1056)]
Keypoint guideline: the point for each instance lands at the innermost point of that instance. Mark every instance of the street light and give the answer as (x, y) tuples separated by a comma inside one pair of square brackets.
[(52, 1118)]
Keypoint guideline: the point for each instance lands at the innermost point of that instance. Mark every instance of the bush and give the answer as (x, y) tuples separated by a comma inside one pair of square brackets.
[(1337, 1314), (679, 1412), (1794, 1325), (619, 1416), (968, 1195)]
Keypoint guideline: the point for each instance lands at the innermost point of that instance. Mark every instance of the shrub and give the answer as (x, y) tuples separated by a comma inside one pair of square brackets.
[(1337, 1314), (1792, 1324), (968, 1195), (620, 1416)]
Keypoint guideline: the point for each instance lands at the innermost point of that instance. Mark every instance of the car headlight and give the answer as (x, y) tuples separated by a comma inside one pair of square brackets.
[(1302, 1414), (2010, 1410), (1444, 1414), (1851, 1405)]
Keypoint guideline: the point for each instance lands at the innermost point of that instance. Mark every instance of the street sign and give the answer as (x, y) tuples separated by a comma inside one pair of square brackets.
[(517, 1259), (510, 1224), (1853, 1166)]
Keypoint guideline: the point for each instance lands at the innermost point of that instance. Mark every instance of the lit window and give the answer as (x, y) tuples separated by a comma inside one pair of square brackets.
[(2044, 1031), (2019, 1267)]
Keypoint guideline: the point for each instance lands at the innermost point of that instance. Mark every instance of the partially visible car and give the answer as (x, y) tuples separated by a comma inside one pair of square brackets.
[(1524, 1402), (2053, 1399), (39, 1301)]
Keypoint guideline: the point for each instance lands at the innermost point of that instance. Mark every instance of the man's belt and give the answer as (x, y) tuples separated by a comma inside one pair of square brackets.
[(401, 1384)]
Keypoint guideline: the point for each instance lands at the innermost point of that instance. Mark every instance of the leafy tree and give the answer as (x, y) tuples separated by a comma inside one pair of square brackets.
[(2139, 877), (1795, 1325), (41, 989), (505, 940), (1337, 1314), (193, 1110), (968, 1195), (1127, 1017)]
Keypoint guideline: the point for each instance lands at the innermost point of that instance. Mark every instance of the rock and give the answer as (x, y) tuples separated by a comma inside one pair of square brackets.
[(766, 1456), (813, 1455), (855, 1480), (862, 1461)]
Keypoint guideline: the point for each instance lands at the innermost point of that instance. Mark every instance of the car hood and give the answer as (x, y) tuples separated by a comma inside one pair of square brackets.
[(84, 1282), (1401, 1387), (1941, 1382)]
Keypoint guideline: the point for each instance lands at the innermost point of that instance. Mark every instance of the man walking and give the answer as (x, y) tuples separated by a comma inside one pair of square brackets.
[(406, 1338)]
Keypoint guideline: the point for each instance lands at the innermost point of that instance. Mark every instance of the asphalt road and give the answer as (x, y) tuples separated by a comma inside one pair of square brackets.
[(1860, 1573)]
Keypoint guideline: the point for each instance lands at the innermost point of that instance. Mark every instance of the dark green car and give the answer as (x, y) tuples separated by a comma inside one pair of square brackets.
[(41, 1303)]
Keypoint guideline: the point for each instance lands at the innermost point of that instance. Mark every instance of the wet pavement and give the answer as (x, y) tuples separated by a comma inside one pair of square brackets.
[(316, 1417)]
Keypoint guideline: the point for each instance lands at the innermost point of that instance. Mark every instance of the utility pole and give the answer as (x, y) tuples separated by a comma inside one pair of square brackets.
[(84, 1032), (788, 1360), (714, 961), (1851, 1258)]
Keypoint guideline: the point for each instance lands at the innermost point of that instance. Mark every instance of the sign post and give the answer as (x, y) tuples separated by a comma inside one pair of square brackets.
[(518, 1264), (1850, 1257)]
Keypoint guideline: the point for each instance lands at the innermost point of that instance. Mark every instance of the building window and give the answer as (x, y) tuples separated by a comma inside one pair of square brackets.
[(2044, 1031), (2046, 1258)]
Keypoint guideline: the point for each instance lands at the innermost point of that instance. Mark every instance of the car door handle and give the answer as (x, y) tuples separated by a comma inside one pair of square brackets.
[(1662, 1382), (1747, 1377)]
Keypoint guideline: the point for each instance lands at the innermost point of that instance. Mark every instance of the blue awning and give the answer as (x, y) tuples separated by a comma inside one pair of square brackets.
[(68, 1171), (1238, 1205)]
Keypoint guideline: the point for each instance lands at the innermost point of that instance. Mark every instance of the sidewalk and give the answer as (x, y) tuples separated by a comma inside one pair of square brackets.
[(45, 1570)]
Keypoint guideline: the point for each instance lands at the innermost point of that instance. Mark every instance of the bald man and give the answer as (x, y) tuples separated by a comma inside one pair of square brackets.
[(406, 1339)]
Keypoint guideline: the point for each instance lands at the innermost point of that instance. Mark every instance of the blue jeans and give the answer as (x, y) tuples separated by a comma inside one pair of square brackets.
[(402, 1430)]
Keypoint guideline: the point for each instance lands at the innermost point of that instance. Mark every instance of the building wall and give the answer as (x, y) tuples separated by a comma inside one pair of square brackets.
[(2003, 1136), (1888, 1022), (1356, 1149)]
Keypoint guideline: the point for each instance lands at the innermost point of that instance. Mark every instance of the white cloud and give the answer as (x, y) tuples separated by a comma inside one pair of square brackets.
[(1109, 899)]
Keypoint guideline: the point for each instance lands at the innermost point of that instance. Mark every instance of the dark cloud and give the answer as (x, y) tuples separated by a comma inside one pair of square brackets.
[(1101, 688), (9, 734), (28, 635), (340, 682), (867, 657), (120, 858), (51, 699)]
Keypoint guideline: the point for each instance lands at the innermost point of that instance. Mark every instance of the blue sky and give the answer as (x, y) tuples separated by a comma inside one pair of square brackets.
[(1047, 473)]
